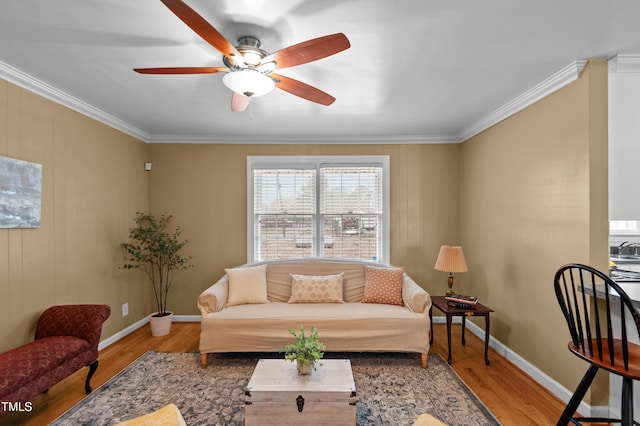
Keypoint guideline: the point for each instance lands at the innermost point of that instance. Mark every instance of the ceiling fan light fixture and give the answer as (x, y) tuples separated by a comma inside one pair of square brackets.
[(252, 58), (248, 82)]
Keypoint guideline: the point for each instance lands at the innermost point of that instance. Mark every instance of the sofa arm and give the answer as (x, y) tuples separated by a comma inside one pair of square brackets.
[(81, 321), (214, 298), (414, 296)]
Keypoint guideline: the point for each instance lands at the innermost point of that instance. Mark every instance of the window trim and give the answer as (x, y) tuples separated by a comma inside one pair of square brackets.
[(278, 161)]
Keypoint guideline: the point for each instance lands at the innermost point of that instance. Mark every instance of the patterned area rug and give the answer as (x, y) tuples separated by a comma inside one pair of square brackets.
[(392, 389)]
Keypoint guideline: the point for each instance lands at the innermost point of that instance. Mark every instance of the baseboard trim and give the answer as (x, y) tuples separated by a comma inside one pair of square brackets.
[(538, 375), (119, 335), (187, 318), (136, 325)]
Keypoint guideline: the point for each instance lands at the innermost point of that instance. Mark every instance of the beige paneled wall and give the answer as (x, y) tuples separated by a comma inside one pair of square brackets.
[(204, 187), (533, 197), (93, 183)]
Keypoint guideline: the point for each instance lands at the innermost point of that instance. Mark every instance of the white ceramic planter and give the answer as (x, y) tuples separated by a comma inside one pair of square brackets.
[(161, 326)]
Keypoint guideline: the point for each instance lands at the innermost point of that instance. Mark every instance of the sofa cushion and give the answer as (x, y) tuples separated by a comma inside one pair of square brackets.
[(341, 326), (279, 278), (383, 285), (247, 285), (24, 364), (316, 288)]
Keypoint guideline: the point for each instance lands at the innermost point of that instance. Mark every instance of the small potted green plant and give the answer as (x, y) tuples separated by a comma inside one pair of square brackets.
[(306, 351), (156, 251)]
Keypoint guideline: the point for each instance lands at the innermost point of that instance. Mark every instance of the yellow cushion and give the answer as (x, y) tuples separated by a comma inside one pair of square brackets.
[(427, 420), (169, 415)]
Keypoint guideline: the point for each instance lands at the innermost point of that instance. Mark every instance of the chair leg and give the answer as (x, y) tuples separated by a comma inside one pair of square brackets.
[(627, 402), (582, 388), (93, 366)]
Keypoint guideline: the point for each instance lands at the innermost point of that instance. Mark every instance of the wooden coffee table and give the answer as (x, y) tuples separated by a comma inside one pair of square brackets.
[(450, 311), (277, 395)]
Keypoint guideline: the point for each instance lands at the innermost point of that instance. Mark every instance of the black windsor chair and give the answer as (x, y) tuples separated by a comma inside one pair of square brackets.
[(597, 337)]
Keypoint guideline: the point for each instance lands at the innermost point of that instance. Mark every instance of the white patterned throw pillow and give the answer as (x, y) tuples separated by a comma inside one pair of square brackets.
[(316, 288)]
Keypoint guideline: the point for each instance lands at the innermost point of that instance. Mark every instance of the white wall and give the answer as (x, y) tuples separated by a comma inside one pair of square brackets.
[(624, 143), (624, 175)]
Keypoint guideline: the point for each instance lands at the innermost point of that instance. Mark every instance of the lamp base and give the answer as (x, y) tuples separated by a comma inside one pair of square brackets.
[(450, 285)]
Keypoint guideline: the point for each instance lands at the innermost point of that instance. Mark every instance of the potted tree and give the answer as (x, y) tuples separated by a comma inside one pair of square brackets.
[(306, 351), (152, 248)]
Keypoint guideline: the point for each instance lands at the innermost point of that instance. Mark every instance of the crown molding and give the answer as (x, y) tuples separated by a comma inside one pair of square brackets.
[(24, 80), (305, 139), (28, 82), (625, 64), (566, 75), (570, 73)]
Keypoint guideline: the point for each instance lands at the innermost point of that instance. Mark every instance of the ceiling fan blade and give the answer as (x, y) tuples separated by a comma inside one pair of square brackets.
[(204, 29), (239, 102), (182, 70), (308, 51), (302, 90)]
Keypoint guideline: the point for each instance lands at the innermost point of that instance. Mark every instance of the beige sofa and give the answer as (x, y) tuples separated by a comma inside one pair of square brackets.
[(350, 326)]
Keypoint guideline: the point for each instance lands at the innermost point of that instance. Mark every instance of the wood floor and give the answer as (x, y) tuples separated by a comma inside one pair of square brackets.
[(511, 395)]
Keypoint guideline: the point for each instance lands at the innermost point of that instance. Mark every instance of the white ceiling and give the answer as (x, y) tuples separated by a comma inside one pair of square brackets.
[(417, 70)]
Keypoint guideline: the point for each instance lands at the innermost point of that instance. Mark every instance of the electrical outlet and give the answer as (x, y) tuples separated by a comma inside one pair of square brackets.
[(125, 309)]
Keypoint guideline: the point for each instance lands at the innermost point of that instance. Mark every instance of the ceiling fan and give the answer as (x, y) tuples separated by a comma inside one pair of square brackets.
[(249, 69)]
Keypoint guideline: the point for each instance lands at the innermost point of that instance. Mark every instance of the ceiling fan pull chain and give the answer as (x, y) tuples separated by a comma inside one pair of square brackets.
[(251, 110)]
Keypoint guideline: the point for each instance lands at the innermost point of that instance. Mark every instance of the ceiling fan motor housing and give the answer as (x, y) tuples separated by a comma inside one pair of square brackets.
[(249, 48), (249, 76)]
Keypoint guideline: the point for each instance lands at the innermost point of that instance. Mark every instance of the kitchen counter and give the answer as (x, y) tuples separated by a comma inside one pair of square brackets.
[(618, 260), (625, 269), (631, 288)]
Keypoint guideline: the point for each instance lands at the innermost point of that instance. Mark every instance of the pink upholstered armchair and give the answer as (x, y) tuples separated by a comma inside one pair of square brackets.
[(66, 339)]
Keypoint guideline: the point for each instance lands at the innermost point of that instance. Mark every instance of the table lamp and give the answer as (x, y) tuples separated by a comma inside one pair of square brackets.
[(451, 259)]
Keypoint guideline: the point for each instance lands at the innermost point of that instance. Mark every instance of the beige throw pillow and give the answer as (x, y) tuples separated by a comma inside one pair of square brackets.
[(383, 285), (247, 285), (316, 288)]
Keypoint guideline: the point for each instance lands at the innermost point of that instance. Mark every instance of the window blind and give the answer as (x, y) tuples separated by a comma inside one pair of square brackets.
[(284, 212), (351, 211), (308, 206)]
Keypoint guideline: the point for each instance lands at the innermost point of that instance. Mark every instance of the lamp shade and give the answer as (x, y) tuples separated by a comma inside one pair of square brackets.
[(248, 82), (451, 259)]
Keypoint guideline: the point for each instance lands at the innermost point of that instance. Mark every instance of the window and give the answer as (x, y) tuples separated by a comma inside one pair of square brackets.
[(318, 206)]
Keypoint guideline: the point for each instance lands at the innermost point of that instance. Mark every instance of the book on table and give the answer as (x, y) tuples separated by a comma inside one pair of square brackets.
[(461, 301)]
